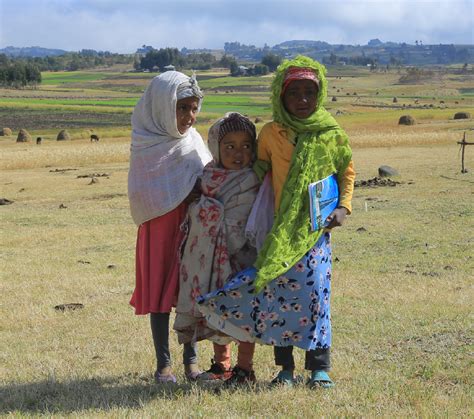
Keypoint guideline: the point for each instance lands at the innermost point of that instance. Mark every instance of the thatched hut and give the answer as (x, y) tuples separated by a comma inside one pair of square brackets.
[(5, 132), (23, 136), (406, 120), (63, 135)]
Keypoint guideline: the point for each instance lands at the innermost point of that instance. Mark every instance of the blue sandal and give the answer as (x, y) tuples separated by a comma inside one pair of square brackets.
[(284, 378), (320, 379)]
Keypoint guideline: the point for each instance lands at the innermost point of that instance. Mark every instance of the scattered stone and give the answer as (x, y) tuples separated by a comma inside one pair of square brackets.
[(22, 190), (62, 206), (374, 182), (111, 266), (448, 268), (60, 170), (93, 175), (406, 120), (431, 273), (84, 261), (462, 115), (361, 229), (5, 132), (5, 201), (23, 136), (63, 135), (93, 180), (69, 307), (386, 171), (336, 259)]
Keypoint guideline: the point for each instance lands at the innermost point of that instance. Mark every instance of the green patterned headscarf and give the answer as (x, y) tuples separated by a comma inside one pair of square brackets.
[(322, 148)]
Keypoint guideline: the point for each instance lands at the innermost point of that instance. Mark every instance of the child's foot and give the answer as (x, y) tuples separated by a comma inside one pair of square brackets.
[(215, 373), (285, 378), (320, 379), (192, 372), (240, 377), (164, 376)]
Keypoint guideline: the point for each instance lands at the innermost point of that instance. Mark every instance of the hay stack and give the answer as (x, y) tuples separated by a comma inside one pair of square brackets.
[(5, 132), (406, 120), (23, 136), (63, 135), (334, 99), (462, 115)]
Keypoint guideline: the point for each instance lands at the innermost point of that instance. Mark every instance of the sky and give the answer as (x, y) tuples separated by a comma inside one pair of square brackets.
[(122, 26)]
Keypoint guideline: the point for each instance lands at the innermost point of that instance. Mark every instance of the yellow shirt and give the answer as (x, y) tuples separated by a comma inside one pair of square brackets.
[(275, 147)]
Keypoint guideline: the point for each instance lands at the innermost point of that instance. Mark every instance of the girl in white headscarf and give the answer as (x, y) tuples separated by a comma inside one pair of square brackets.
[(167, 157)]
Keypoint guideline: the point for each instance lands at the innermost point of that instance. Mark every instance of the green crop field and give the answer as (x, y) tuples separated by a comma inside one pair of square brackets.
[(402, 277)]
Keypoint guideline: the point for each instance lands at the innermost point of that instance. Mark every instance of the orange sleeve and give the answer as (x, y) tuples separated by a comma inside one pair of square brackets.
[(346, 187), (263, 152)]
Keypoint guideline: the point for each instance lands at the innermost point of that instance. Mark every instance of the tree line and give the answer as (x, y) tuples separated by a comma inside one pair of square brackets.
[(158, 60), (18, 73)]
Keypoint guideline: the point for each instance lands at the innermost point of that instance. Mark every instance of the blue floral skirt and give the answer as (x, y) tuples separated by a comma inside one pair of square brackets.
[(293, 309)]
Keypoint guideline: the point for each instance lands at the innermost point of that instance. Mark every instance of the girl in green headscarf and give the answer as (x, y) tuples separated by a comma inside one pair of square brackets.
[(285, 301)]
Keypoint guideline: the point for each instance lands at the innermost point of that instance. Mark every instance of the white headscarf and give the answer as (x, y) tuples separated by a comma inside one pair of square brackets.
[(164, 164)]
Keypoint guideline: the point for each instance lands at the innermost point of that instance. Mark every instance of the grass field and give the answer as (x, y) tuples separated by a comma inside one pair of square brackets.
[(402, 289)]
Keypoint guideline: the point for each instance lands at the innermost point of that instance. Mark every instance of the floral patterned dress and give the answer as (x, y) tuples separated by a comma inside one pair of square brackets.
[(293, 309)]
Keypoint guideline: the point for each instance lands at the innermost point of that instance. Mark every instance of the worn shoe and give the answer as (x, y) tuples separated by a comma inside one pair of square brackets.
[(215, 373), (284, 378), (320, 379), (240, 377), (164, 378)]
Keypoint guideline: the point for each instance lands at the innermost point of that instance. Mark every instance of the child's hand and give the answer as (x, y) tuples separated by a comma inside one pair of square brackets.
[(337, 217)]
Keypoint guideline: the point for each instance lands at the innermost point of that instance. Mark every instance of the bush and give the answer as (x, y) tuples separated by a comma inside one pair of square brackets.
[(462, 115), (406, 120)]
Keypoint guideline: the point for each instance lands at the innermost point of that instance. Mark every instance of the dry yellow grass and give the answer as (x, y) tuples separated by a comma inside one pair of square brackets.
[(401, 303)]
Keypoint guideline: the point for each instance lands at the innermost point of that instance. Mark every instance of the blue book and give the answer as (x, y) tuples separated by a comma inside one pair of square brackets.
[(323, 200)]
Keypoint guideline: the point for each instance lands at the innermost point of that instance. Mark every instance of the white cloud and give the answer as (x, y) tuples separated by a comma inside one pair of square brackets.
[(124, 25)]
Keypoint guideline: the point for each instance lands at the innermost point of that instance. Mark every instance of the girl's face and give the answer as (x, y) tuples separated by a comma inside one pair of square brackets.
[(235, 150), (186, 112), (300, 98)]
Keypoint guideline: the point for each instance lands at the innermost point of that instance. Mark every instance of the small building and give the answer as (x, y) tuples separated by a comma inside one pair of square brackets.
[(243, 70), (169, 67)]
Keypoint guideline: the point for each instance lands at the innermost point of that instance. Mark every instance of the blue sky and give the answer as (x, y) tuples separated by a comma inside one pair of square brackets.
[(124, 25)]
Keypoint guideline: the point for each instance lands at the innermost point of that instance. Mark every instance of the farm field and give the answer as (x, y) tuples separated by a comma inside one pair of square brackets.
[(403, 271)]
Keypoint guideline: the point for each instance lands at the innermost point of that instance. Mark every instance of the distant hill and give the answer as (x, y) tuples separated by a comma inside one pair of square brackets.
[(31, 52), (303, 43)]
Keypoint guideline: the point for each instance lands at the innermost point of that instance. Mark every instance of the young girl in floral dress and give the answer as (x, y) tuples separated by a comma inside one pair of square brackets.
[(285, 300), (167, 157), (216, 245)]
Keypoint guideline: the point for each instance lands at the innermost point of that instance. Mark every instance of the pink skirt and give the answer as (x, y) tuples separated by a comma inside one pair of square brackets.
[(157, 263)]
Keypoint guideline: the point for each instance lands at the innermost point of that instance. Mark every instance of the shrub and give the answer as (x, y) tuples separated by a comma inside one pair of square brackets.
[(462, 115), (406, 120)]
